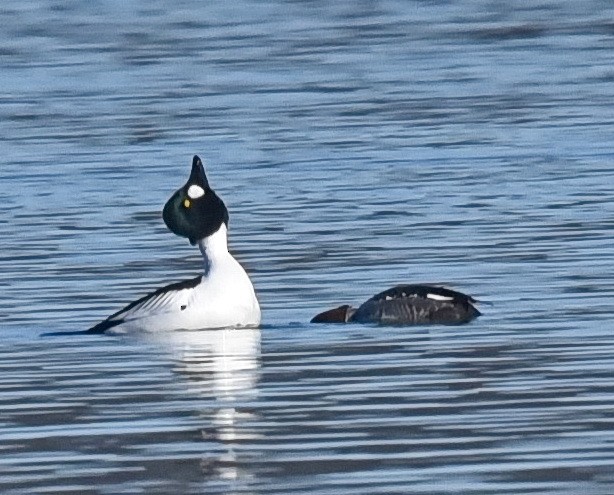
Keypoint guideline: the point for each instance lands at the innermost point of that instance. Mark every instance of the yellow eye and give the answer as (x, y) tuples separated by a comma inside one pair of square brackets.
[(186, 203)]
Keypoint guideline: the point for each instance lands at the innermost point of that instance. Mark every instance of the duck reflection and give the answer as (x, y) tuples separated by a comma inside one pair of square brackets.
[(222, 366), (222, 362)]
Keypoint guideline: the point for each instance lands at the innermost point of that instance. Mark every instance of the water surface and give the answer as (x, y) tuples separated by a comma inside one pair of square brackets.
[(357, 145)]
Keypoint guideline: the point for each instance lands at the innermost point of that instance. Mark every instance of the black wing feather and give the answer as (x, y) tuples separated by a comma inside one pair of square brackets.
[(117, 319)]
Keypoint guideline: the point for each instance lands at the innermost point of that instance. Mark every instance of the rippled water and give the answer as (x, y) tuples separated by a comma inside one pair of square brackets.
[(357, 145)]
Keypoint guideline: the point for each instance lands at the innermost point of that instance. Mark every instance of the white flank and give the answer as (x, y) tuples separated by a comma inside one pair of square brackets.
[(195, 192)]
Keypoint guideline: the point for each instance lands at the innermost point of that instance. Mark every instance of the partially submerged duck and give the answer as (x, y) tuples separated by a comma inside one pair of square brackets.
[(222, 296), (407, 305)]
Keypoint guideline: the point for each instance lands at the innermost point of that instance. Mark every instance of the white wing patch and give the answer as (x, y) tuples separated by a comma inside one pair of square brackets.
[(439, 297), (195, 191)]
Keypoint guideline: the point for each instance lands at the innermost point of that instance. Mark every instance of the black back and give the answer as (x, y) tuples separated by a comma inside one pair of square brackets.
[(417, 304)]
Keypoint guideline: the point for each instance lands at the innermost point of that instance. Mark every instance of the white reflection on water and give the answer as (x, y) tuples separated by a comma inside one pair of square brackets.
[(221, 362), (222, 365)]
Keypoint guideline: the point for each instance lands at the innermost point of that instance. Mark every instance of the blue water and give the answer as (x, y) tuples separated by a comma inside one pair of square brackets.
[(357, 145)]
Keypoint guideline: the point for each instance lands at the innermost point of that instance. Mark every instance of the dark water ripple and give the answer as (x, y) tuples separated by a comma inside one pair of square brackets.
[(357, 145)]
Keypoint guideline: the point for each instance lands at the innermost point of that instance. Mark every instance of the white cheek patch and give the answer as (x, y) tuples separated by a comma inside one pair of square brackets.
[(437, 297), (195, 192)]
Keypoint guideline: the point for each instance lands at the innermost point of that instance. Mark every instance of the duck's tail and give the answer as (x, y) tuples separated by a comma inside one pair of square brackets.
[(342, 314)]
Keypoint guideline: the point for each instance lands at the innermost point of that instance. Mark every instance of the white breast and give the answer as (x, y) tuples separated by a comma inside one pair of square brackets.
[(224, 298)]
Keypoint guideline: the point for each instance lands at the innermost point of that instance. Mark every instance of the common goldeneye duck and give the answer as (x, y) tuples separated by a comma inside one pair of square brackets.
[(223, 296), (407, 305)]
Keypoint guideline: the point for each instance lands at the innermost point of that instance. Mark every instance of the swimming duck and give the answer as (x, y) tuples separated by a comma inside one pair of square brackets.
[(222, 296), (407, 305)]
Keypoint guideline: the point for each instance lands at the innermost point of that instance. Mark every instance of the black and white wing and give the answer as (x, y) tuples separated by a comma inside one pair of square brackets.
[(172, 298), (417, 304)]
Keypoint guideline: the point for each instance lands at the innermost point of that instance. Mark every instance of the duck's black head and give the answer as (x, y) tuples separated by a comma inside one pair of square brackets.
[(195, 211)]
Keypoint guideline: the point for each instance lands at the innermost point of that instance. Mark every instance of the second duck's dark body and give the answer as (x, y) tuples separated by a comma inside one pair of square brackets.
[(407, 305)]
